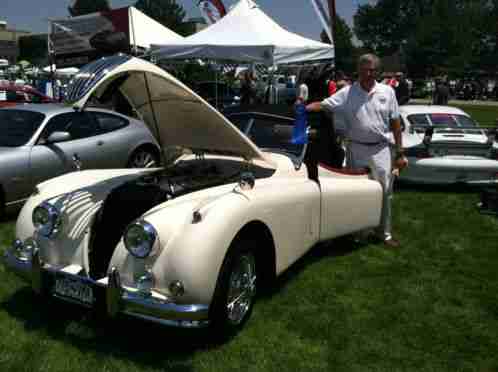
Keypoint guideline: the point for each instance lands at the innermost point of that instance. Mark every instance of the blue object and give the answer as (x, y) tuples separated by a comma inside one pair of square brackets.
[(299, 133)]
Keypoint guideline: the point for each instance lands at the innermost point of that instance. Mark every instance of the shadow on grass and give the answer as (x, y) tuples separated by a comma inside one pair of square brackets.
[(9, 216), (337, 247), (124, 337), (130, 338)]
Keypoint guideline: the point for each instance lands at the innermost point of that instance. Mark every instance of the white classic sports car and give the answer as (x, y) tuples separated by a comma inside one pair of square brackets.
[(444, 146), (191, 243)]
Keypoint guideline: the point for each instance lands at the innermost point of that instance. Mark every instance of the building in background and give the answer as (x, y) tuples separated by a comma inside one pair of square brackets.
[(9, 42)]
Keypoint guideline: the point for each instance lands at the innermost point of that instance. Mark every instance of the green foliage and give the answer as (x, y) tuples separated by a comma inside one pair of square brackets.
[(82, 7), (166, 12), (33, 48), (345, 51), (433, 36)]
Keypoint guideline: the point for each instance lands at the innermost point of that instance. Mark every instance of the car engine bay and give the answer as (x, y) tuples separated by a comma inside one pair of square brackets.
[(128, 201)]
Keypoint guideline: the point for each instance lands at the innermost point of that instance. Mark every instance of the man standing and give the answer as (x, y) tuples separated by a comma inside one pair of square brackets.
[(371, 112), (402, 90)]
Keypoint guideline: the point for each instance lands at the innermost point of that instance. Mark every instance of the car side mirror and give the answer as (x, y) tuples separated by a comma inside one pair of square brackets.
[(56, 137)]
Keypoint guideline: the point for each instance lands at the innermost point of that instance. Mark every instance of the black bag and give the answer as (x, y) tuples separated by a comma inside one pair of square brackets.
[(489, 201)]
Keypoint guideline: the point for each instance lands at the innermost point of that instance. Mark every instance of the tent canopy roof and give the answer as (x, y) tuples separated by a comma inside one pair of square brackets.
[(145, 31), (246, 34)]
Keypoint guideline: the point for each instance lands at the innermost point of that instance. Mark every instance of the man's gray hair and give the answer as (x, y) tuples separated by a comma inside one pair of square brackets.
[(369, 58)]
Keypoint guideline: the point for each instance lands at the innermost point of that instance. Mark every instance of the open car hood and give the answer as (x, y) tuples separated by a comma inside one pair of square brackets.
[(174, 113)]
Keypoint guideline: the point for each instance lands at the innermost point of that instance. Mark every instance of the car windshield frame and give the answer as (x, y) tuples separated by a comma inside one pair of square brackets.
[(12, 134), (430, 121), (282, 126)]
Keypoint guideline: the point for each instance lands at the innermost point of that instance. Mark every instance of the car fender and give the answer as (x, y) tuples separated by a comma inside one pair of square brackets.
[(98, 182), (193, 248)]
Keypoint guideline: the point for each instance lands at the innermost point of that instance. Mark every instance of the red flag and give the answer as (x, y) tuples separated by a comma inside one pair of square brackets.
[(212, 10)]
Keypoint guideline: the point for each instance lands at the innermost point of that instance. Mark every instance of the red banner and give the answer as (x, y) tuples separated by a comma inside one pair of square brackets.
[(212, 10)]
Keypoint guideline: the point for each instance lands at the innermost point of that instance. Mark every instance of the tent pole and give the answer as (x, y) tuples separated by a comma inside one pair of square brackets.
[(216, 85), (332, 20), (51, 61), (134, 49)]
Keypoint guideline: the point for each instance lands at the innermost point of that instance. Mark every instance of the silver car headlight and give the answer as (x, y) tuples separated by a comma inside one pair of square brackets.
[(46, 219), (139, 239)]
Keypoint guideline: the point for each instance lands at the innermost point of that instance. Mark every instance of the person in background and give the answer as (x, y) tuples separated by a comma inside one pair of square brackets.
[(302, 93), (441, 93), (371, 112), (402, 90), (331, 85), (248, 89)]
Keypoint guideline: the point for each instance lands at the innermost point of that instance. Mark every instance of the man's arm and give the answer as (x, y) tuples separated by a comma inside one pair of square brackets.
[(314, 107), (400, 161)]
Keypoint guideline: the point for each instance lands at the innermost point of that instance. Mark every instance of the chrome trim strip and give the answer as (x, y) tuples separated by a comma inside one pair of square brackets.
[(121, 300)]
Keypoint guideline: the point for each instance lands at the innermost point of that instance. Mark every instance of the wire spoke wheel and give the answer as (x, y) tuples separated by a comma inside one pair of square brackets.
[(241, 288)]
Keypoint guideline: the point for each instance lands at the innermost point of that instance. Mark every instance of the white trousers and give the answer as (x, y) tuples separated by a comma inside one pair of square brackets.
[(378, 159)]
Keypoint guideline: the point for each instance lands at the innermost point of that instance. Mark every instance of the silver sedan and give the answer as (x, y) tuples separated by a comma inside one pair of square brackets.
[(38, 142)]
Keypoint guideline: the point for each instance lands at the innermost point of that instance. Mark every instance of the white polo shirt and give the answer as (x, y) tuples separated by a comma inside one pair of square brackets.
[(367, 115)]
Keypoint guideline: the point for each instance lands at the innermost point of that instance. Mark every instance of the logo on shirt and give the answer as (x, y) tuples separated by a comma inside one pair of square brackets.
[(382, 100)]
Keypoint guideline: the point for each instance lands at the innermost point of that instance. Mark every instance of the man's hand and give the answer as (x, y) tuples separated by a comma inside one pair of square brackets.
[(400, 162), (314, 107)]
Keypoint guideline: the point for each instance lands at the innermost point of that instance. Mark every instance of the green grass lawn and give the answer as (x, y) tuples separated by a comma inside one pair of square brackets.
[(485, 115), (431, 305)]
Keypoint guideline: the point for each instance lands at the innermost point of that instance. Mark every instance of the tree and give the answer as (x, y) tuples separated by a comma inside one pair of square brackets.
[(34, 49), (166, 12), (81, 7), (435, 36), (343, 46)]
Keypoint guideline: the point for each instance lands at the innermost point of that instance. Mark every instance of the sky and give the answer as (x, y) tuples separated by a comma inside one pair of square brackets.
[(295, 15)]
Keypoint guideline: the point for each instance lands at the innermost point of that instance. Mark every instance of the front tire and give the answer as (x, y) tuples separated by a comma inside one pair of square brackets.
[(235, 290)]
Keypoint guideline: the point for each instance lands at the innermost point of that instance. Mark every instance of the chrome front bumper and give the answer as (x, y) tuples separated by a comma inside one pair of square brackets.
[(118, 299)]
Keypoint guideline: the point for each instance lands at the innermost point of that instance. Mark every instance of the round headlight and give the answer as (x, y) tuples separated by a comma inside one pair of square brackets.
[(139, 239), (46, 219)]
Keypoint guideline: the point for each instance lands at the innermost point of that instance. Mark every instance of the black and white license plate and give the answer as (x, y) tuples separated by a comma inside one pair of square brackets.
[(74, 289)]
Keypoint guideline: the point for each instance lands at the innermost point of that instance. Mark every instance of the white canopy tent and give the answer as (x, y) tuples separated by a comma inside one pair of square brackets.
[(145, 31), (246, 34)]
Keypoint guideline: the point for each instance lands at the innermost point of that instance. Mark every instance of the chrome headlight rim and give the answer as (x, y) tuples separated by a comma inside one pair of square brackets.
[(52, 222), (147, 242)]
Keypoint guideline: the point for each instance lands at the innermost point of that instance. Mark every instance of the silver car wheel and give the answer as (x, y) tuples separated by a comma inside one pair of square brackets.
[(142, 159), (241, 288)]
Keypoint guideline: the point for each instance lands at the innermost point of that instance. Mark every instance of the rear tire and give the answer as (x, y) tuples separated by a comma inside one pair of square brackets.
[(143, 158), (235, 290)]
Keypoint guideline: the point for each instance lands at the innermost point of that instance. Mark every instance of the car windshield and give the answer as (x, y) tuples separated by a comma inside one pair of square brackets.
[(270, 133), (442, 120), (18, 126)]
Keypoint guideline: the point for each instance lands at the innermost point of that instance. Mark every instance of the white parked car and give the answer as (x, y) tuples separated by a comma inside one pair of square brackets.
[(444, 145), (189, 244)]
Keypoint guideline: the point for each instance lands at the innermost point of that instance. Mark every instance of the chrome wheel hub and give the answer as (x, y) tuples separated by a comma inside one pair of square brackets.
[(241, 288), (143, 159)]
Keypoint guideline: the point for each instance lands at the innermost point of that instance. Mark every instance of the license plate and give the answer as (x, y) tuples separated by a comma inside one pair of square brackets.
[(74, 289)]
